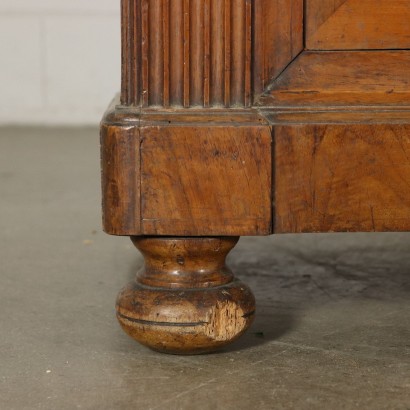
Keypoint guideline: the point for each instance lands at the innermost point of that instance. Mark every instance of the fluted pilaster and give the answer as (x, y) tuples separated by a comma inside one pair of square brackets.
[(186, 53)]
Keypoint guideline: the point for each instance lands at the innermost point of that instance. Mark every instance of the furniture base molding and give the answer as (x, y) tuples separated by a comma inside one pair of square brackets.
[(186, 173), (185, 300)]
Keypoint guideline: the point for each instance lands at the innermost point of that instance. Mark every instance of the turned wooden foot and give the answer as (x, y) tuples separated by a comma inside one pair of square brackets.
[(185, 299)]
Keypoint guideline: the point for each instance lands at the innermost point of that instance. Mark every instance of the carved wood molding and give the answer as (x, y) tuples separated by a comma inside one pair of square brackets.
[(206, 53), (186, 53)]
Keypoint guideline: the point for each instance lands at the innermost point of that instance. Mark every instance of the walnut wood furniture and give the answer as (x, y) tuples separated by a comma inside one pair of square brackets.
[(248, 117)]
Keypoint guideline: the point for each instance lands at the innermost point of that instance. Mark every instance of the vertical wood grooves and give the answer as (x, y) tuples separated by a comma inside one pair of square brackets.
[(129, 55), (187, 45), (145, 54), (166, 26), (156, 53), (248, 54), (176, 62), (135, 71), (227, 46), (258, 59), (125, 57), (207, 51), (187, 53), (217, 75), (197, 52), (238, 14)]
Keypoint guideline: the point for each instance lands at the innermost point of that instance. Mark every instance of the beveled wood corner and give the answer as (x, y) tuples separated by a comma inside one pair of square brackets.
[(246, 117)]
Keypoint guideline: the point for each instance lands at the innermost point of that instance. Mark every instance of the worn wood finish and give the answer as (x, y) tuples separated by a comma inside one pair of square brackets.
[(357, 24), (185, 299), (120, 179), (228, 125), (202, 179), (278, 39), (343, 79), (317, 13), (174, 174), (342, 177), (182, 53)]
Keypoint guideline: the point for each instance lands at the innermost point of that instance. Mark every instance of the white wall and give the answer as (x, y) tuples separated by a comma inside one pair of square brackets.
[(59, 60)]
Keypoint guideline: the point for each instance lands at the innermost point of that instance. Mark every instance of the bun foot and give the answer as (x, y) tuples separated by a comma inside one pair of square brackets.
[(185, 300)]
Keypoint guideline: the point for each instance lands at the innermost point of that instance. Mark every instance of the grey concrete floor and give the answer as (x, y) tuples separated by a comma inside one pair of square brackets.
[(332, 328)]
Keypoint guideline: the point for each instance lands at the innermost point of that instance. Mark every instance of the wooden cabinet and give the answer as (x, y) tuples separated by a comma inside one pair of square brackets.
[(248, 117)]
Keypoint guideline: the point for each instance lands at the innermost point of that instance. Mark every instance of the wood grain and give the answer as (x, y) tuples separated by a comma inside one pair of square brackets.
[(156, 63), (120, 179), (357, 24), (176, 52), (185, 299), (131, 53), (339, 177), (199, 179), (186, 53), (278, 39), (191, 172), (317, 13), (335, 115), (343, 79)]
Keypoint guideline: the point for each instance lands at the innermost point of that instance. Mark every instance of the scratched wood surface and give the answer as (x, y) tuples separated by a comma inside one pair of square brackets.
[(185, 299), (199, 180), (342, 177), (120, 179), (357, 24)]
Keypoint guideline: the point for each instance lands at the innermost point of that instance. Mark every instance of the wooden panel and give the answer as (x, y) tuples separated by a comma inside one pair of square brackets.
[(200, 180), (318, 12), (343, 78), (357, 24), (342, 177), (120, 179), (278, 38)]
